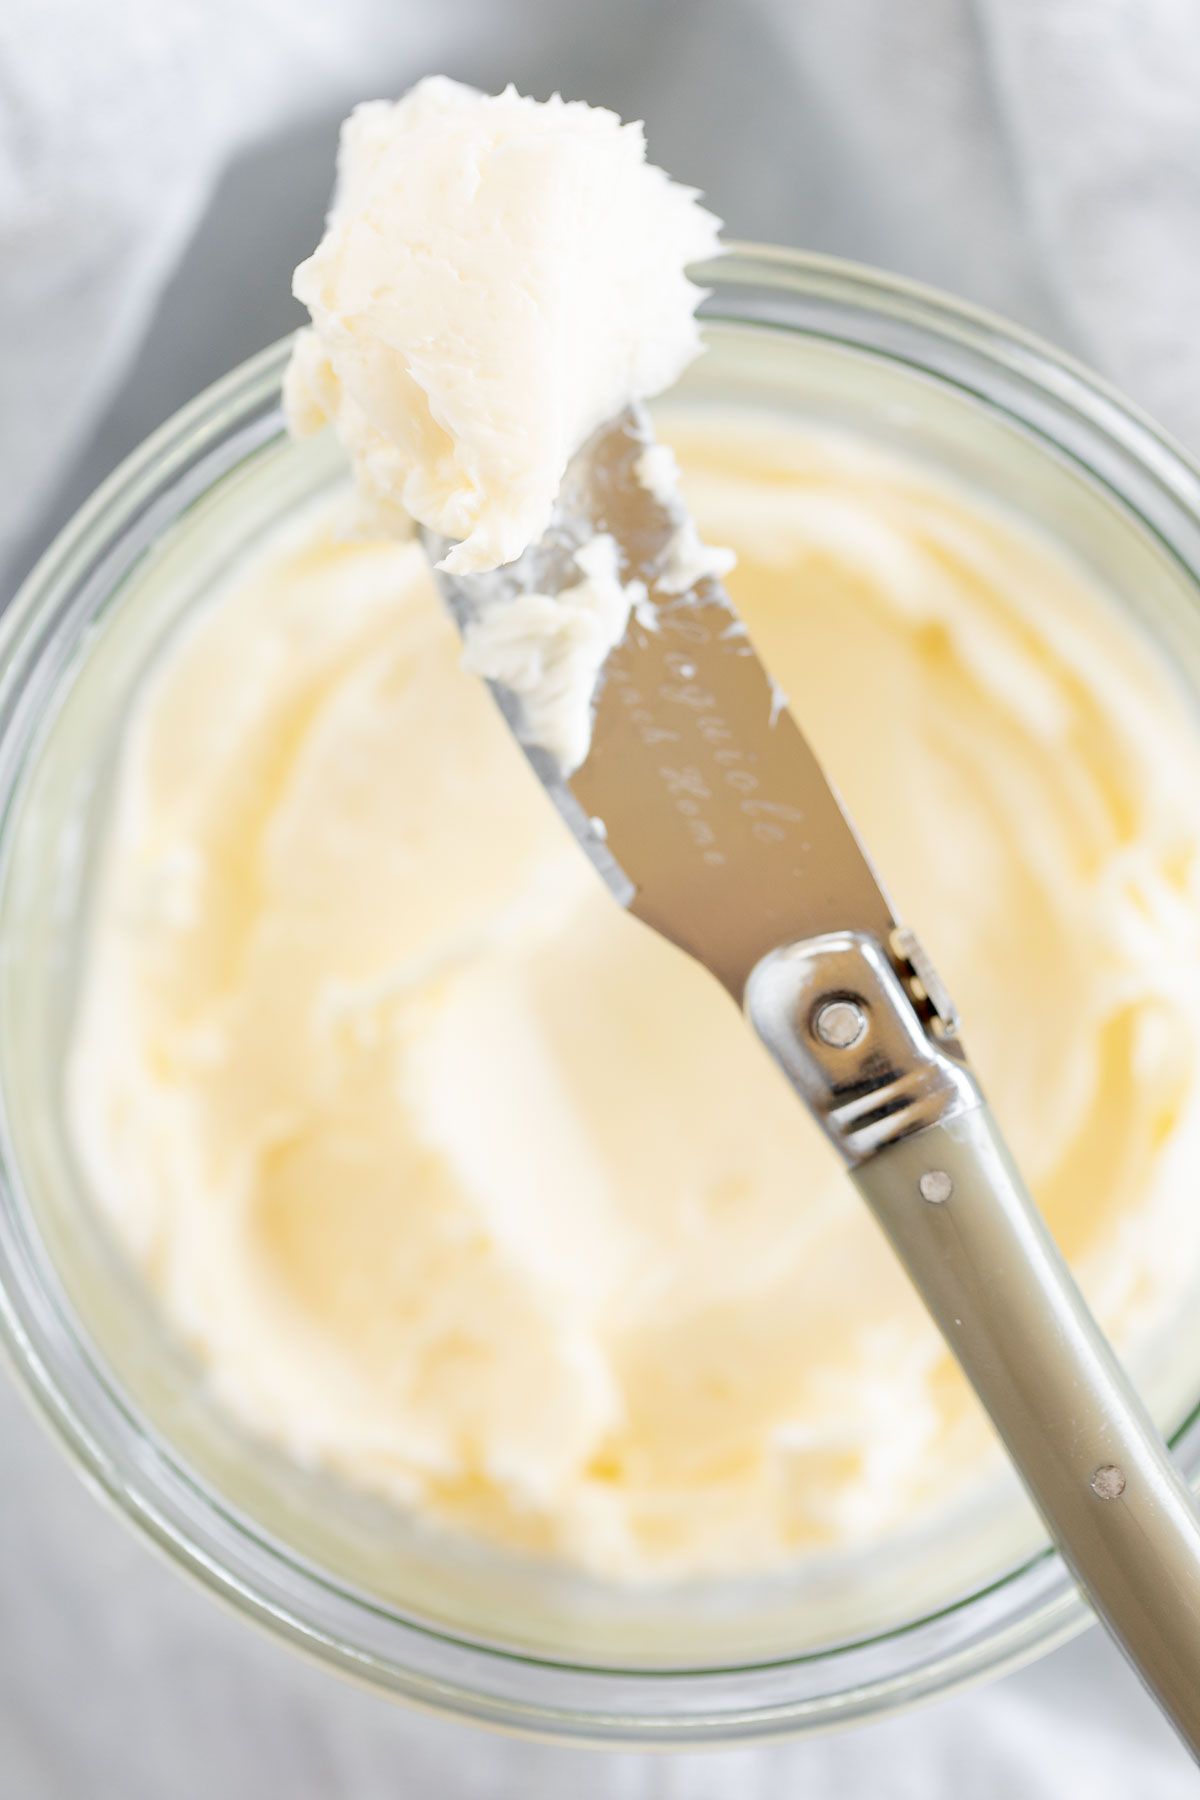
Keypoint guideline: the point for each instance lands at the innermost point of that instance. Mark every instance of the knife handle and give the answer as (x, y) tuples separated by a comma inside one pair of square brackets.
[(979, 1253)]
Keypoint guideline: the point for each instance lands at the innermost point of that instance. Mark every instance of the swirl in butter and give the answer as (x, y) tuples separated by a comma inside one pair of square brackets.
[(466, 1185)]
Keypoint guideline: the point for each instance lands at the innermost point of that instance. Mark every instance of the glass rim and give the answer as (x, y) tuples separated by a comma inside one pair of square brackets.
[(994, 1628)]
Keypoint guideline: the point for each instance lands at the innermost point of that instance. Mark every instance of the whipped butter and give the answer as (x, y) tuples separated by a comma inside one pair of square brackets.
[(549, 649), (498, 277), (462, 1183)]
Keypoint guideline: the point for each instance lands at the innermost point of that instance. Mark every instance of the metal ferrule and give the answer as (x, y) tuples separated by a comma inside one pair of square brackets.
[(835, 1014)]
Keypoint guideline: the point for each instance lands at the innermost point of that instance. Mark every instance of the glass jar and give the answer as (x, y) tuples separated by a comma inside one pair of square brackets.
[(447, 1623)]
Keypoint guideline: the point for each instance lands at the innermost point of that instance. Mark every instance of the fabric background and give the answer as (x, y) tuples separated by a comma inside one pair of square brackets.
[(163, 165)]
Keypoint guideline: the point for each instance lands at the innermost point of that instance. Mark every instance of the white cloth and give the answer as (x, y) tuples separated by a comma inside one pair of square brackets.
[(163, 163)]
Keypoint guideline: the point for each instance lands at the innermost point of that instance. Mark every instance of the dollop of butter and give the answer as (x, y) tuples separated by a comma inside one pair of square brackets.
[(498, 277), (464, 1184), (549, 649)]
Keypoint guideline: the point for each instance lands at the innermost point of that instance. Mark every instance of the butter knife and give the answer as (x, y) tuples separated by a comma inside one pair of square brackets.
[(703, 808)]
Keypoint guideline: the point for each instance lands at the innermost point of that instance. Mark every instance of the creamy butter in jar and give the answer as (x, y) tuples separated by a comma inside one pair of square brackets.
[(526, 1351)]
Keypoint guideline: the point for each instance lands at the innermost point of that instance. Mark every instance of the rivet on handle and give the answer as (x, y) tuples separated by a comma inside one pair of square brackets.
[(935, 1186), (840, 1023), (1108, 1483)]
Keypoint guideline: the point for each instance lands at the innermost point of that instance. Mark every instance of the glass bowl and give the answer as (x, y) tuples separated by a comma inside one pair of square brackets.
[(364, 1589)]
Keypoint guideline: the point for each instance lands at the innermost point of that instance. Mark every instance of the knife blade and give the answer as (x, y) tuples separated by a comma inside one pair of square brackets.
[(700, 801)]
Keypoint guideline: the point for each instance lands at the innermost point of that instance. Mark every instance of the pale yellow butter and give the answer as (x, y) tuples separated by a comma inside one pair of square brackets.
[(462, 1182)]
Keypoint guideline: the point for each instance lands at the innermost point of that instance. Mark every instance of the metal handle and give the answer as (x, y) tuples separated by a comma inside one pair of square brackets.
[(954, 1207)]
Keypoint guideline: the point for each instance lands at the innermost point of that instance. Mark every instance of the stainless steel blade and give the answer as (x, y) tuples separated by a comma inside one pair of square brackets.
[(700, 801)]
